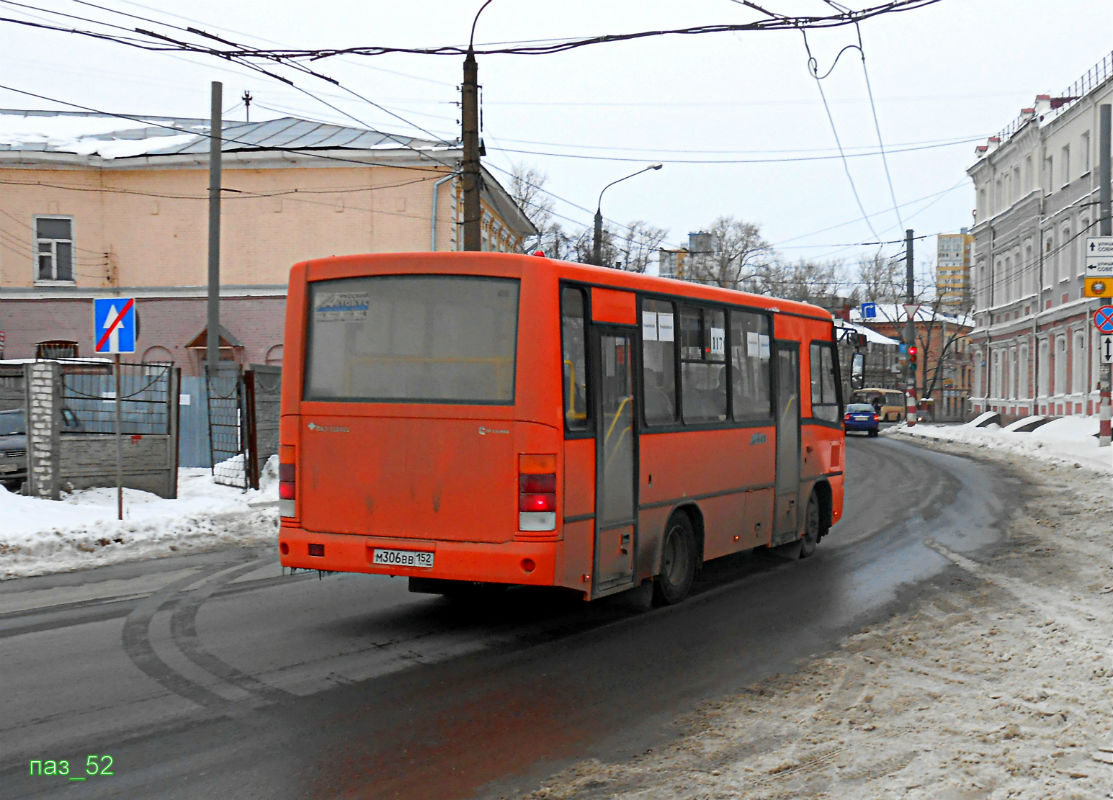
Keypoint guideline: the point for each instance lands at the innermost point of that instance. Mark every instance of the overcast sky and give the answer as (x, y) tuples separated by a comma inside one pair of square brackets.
[(955, 71)]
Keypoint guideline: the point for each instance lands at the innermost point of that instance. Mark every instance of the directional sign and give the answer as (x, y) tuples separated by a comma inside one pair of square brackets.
[(1099, 256), (1103, 319), (1107, 349), (869, 310), (114, 321)]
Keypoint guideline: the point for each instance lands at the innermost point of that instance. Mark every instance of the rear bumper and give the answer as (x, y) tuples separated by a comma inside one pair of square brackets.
[(504, 562)]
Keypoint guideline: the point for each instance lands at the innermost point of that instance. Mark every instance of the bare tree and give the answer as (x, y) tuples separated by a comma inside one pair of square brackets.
[(735, 252), (640, 243), (527, 187), (803, 280), (879, 278)]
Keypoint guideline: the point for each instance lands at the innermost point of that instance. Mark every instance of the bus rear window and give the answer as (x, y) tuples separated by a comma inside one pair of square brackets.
[(431, 339)]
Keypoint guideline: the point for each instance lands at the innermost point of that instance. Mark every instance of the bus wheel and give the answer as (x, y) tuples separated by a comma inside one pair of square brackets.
[(810, 538), (678, 562)]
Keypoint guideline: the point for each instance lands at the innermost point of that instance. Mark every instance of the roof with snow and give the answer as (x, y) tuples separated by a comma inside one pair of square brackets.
[(894, 312), (110, 137), (872, 336)]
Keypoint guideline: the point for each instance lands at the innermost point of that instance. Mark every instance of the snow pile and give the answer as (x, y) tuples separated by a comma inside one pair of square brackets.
[(1068, 440), (44, 536)]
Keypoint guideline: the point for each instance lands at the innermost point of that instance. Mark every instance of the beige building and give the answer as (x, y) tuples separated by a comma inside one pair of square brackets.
[(1036, 183), (952, 270), (94, 206)]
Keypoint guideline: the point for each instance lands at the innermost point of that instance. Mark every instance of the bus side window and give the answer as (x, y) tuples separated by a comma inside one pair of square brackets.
[(825, 400), (749, 348), (574, 355), (658, 362)]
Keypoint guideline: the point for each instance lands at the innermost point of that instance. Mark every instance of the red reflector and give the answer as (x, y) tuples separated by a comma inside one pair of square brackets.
[(537, 483), (876, 418), (286, 490), (316, 549), (537, 502)]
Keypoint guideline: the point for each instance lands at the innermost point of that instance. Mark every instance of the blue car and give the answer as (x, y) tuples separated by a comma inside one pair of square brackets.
[(861, 417)]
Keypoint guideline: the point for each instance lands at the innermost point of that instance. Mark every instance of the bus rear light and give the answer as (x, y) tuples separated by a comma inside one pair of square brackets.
[(316, 550), (537, 502), (287, 489), (537, 492)]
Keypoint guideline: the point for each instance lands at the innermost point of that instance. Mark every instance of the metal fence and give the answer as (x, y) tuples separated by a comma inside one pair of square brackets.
[(227, 418), (243, 407), (89, 391)]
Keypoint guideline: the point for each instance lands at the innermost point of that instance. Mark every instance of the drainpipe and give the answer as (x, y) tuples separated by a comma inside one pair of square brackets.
[(433, 225), (1037, 308)]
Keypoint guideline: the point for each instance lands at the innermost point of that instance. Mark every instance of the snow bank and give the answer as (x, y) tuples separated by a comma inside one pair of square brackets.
[(45, 536), (1068, 440)]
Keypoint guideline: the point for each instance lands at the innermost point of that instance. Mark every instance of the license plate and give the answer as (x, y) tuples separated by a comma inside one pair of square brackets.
[(8, 467), (403, 558)]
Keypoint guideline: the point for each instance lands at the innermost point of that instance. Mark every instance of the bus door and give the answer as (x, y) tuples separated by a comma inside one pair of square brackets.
[(787, 404), (615, 460)]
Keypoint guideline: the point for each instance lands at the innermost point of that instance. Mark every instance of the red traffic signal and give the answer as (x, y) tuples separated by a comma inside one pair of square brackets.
[(912, 350)]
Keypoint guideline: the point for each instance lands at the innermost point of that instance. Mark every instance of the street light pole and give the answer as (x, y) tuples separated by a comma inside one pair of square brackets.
[(597, 240)]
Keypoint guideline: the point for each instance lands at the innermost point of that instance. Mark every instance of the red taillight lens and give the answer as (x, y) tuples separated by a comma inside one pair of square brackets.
[(536, 483), (876, 418), (286, 482), (847, 417), (545, 501)]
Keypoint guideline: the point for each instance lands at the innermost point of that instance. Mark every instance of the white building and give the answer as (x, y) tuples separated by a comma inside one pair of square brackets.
[(1036, 186)]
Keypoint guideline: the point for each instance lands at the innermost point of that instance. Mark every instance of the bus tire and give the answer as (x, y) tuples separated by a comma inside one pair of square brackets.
[(678, 562), (810, 538)]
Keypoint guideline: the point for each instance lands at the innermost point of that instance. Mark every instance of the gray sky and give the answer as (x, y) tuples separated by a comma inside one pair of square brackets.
[(956, 70)]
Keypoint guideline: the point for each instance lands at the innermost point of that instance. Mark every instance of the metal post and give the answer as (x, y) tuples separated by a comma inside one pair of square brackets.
[(212, 326), (119, 448), (1106, 229), (909, 329), (597, 240)]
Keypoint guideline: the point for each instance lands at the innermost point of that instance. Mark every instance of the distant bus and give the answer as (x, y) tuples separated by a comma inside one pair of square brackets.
[(890, 403), (480, 418)]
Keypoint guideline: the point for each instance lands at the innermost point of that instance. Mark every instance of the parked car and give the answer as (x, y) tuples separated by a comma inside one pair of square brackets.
[(861, 417), (13, 443)]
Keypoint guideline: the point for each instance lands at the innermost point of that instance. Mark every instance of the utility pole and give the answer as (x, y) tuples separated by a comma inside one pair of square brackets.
[(469, 140), (247, 98), (910, 328), (212, 325), (1106, 229)]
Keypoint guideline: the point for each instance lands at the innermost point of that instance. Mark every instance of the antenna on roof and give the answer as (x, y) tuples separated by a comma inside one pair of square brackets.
[(246, 105)]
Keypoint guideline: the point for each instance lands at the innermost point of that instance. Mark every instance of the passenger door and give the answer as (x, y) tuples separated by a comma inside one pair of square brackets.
[(615, 460), (787, 405)]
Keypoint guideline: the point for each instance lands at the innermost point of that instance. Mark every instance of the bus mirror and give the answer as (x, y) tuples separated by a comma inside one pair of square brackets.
[(857, 370)]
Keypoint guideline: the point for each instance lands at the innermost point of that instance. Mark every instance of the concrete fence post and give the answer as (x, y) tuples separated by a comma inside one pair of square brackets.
[(43, 380)]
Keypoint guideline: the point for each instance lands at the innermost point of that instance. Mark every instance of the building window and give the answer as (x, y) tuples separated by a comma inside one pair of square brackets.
[(1024, 386), (1064, 166), (1064, 254), (1079, 364), (1060, 386), (1042, 371), (1084, 146), (53, 249), (56, 348)]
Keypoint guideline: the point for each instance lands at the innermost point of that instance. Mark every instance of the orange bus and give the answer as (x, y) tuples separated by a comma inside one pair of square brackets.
[(482, 418)]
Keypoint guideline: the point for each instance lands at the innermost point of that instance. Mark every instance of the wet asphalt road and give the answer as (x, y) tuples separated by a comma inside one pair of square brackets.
[(214, 676)]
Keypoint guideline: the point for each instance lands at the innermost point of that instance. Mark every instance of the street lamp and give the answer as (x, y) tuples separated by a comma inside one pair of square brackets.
[(597, 242)]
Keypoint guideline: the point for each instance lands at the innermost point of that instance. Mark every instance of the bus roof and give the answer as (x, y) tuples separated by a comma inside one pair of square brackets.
[(481, 263)]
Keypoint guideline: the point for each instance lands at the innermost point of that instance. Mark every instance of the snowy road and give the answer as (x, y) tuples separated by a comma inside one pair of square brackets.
[(210, 675)]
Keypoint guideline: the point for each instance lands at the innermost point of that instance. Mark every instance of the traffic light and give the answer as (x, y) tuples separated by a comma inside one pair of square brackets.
[(912, 356)]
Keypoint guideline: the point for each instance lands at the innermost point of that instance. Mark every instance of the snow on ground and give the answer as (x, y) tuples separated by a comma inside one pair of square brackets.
[(1000, 687), (82, 530)]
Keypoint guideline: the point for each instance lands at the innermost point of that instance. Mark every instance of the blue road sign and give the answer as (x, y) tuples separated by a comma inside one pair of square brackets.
[(869, 310), (114, 321), (1103, 319)]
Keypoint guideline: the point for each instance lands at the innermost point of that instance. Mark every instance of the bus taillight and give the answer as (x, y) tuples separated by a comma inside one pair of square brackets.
[(537, 492), (287, 489)]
